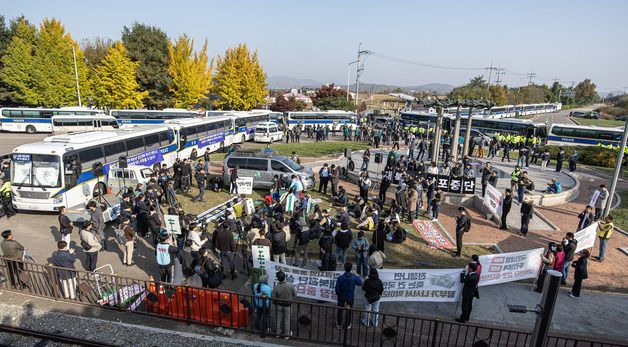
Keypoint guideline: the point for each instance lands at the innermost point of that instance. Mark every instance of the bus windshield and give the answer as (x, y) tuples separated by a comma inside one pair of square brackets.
[(36, 170)]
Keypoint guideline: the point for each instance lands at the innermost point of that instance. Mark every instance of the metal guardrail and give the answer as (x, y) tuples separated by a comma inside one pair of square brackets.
[(309, 321)]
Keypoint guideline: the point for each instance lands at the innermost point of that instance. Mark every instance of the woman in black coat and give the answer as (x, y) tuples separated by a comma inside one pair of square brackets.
[(581, 272)]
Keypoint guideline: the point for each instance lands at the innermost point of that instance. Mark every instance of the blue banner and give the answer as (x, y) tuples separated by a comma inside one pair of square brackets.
[(210, 140), (147, 158)]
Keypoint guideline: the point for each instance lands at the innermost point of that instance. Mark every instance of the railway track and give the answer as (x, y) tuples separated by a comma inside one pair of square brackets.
[(49, 337)]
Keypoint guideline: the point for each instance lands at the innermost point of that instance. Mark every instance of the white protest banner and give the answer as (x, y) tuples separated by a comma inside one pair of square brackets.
[(172, 224), (493, 201), (586, 237), (310, 284), (596, 194), (245, 185), (509, 267), (439, 285), (261, 256), (430, 285)]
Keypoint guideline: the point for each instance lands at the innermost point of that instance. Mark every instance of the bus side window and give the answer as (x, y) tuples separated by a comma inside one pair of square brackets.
[(72, 170)]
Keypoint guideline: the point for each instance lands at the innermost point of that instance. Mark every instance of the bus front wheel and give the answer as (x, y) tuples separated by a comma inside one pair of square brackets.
[(30, 129)]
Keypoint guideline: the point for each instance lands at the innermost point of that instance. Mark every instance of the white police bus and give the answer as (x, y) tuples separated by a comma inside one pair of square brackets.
[(69, 170), (34, 119), (245, 123), (144, 117), (334, 119), (571, 134), (99, 122), (202, 134)]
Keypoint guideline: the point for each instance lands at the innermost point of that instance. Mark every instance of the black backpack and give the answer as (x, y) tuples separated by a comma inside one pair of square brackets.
[(468, 226)]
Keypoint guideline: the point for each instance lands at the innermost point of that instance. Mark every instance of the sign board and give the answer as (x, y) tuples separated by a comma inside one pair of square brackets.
[(509, 267), (586, 237), (431, 235), (261, 256), (172, 224), (493, 201), (459, 185), (596, 195), (431, 285), (245, 185)]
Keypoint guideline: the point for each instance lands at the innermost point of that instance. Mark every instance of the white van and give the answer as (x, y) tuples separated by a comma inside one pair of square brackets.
[(267, 132)]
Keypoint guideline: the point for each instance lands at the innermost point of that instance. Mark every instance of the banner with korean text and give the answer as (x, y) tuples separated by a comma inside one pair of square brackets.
[(509, 267), (430, 285), (493, 201), (586, 237)]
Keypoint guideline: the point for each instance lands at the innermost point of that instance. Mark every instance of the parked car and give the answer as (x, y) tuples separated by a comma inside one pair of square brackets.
[(263, 167)]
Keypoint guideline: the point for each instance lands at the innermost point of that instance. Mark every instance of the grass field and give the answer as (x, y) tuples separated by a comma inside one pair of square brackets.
[(609, 123), (411, 254), (620, 215)]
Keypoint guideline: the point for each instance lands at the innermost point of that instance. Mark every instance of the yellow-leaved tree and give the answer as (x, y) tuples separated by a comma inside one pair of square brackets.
[(113, 81), (190, 71), (240, 80)]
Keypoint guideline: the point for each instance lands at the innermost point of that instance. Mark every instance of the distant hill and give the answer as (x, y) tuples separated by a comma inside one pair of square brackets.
[(286, 82)]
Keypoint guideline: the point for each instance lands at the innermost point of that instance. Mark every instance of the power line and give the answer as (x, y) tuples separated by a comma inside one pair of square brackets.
[(410, 62)]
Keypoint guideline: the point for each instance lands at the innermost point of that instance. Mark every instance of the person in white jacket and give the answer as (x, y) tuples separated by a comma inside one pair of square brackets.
[(195, 236), (91, 245)]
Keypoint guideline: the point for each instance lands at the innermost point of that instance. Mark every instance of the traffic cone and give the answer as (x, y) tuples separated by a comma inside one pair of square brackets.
[(151, 284)]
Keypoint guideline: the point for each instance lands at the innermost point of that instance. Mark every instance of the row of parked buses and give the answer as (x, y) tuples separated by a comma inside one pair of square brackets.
[(507, 111), (554, 134)]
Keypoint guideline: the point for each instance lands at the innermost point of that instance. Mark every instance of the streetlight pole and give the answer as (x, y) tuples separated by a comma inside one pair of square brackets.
[(349, 76), (618, 169), (78, 89)]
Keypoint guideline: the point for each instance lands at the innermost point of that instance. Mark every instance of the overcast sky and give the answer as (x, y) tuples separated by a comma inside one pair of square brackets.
[(569, 40)]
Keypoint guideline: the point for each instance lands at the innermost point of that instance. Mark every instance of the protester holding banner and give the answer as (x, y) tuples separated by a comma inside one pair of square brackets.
[(345, 289), (581, 273), (373, 289), (605, 230), (470, 281), (569, 247), (585, 217)]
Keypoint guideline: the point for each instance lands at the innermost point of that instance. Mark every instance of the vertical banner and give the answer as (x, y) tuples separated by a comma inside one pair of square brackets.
[(586, 237), (493, 201), (261, 256), (509, 267), (596, 195), (172, 224), (245, 185)]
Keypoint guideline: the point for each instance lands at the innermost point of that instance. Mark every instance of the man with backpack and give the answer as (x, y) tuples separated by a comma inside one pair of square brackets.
[(207, 269), (163, 252), (303, 239), (463, 225)]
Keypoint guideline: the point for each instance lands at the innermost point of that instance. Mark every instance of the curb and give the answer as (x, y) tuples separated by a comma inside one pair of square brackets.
[(546, 220)]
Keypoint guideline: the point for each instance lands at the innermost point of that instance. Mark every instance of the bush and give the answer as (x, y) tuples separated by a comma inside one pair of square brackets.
[(589, 155)]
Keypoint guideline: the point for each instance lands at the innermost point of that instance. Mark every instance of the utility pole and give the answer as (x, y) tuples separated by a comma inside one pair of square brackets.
[(78, 89), (358, 69), (618, 169), (530, 76), (490, 72), (560, 90), (500, 72), (454, 141)]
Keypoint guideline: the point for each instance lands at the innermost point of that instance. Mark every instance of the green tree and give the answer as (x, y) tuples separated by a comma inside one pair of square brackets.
[(586, 93), (190, 72), (328, 97), (499, 95), (240, 81), (18, 64), (148, 46), (6, 97), (556, 91), (113, 80), (95, 50), (477, 88)]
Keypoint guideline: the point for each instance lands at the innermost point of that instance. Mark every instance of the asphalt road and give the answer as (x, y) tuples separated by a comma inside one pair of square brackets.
[(561, 116), (11, 140)]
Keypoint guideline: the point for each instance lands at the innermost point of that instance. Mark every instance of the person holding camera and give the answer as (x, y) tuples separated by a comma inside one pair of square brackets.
[(361, 246), (90, 245), (470, 281)]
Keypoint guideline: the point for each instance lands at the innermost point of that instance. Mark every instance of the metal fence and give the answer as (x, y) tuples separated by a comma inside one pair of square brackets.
[(308, 321)]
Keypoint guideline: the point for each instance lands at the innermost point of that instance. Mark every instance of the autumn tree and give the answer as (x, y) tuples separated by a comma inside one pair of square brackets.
[(113, 80), (240, 81), (95, 50), (190, 72), (6, 97), (283, 104), (18, 64), (585, 92), (148, 45), (328, 97)]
